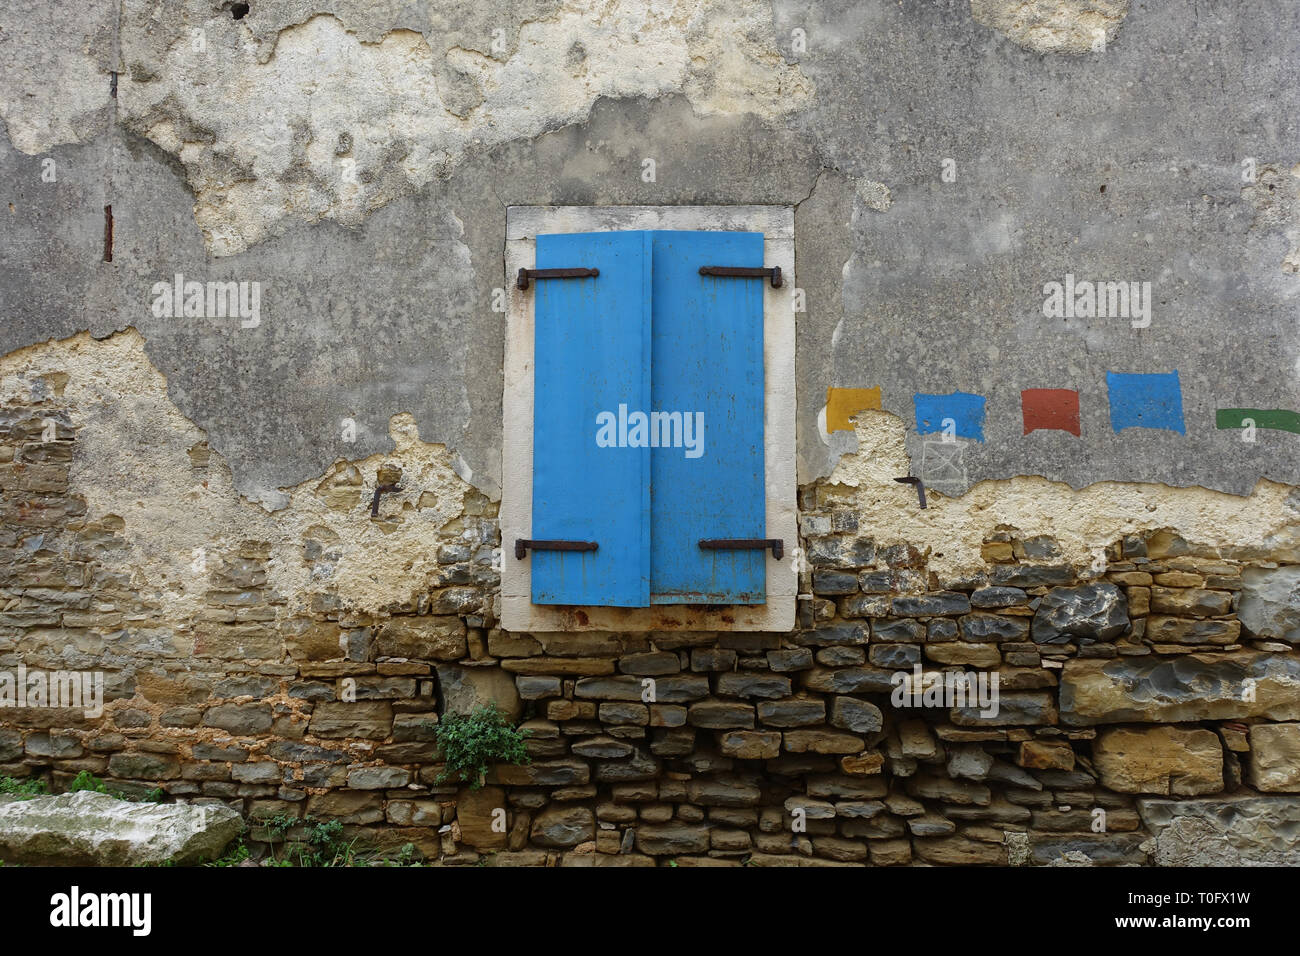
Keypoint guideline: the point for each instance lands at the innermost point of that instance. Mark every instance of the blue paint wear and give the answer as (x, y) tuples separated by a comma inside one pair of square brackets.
[(648, 335), (965, 410), (1152, 400)]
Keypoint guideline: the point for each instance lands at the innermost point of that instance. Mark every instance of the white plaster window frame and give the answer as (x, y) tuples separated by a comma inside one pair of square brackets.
[(517, 612)]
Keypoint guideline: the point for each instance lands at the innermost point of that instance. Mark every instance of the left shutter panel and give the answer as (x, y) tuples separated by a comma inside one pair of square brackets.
[(591, 354)]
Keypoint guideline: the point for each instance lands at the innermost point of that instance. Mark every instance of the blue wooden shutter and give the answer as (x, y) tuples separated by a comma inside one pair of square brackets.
[(707, 348), (591, 355)]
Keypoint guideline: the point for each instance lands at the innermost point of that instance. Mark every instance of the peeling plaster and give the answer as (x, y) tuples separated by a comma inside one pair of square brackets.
[(1275, 196), (1054, 26), (136, 459), (875, 195), (54, 71), (318, 123), (1263, 525), (940, 292)]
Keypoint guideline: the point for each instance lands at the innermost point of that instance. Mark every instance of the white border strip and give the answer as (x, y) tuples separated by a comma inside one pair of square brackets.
[(517, 612)]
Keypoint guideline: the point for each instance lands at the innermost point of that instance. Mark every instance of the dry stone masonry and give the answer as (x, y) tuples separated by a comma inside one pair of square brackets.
[(1148, 711), (254, 395)]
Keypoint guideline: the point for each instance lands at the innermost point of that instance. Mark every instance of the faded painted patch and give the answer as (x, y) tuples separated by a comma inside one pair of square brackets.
[(957, 413), (1054, 26), (1145, 400), (841, 403), (1054, 409), (1278, 418)]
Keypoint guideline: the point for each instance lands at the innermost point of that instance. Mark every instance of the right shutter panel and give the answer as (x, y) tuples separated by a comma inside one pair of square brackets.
[(708, 360)]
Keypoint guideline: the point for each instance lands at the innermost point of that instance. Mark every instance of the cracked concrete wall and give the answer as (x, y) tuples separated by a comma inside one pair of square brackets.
[(1114, 165), (946, 160)]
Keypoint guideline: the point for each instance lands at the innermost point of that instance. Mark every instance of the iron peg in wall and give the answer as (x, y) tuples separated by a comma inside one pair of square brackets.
[(744, 272), (920, 487), (381, 490)]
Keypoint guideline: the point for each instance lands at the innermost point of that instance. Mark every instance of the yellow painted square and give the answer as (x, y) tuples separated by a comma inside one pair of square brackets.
[(843, 402)]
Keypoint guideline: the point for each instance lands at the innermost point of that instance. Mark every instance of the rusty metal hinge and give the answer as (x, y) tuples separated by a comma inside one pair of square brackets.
[(742, 272), (523, 544), (525, 274), (745, 544)]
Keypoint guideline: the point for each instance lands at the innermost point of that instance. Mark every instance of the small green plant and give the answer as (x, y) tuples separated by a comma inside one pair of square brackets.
[(471, 743), (280, 824), (236, 855), (31, 787), (325, 846), (85, 780), (322, 842), (88, 781), (405, 857)]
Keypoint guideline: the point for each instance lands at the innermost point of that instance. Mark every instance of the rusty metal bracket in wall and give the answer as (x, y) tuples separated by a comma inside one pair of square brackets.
[(523, 544), (745, 544), (742, 272), (381, 490), (525, 274), (920, 487)]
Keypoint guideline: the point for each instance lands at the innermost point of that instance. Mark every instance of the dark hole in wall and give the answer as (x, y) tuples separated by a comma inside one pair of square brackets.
[(239, 10), (439, 702)]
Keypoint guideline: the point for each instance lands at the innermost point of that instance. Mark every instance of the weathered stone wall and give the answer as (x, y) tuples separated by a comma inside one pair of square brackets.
[(1158, 682), (185, 499)]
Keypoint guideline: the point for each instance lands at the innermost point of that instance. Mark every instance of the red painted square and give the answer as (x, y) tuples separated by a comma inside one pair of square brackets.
[(1054, 408)]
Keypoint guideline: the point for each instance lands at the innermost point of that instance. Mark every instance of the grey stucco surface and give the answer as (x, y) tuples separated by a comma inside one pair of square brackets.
[(355, 323), (392, 311), (943, 290)]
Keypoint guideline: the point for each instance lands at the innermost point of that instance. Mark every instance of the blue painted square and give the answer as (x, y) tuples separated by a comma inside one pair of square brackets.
[(965, 410), (1152, 400)]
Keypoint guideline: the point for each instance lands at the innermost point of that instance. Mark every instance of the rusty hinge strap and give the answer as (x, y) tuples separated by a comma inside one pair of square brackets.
[(742, 272), (523, 544), (745, 544), (525, 274)]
